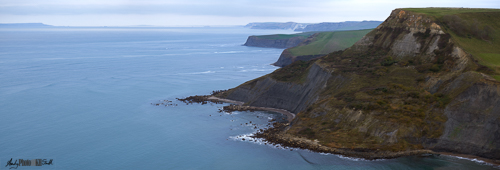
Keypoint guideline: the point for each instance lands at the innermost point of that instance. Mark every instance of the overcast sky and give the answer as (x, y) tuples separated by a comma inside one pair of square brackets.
[(209, 12)]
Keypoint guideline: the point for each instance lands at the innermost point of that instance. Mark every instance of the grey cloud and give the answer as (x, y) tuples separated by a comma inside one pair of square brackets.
[(215, 9)]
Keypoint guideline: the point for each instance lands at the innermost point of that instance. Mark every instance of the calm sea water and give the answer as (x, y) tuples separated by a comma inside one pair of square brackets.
[(82, 97)]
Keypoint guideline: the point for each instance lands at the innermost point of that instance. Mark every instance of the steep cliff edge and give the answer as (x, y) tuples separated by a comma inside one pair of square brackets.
[(409, 84), (292, 96)]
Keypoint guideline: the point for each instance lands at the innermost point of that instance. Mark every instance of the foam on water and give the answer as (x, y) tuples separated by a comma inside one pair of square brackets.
[(481, 162)]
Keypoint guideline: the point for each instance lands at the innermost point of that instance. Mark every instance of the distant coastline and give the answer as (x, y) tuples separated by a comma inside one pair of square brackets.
[(24, 25)]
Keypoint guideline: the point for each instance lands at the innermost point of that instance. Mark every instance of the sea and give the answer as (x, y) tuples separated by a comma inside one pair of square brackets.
[(86, 98)]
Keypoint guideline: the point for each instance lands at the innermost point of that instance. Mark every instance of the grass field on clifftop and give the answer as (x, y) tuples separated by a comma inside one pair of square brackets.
[(327, 42), (485, 49), (286, 36), (439, 12)]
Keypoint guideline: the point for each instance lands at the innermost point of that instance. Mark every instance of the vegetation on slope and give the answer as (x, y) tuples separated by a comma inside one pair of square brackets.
[(295, 72), (475, 30), (389, 95), (392, 89), (381, 102), (327, 42)]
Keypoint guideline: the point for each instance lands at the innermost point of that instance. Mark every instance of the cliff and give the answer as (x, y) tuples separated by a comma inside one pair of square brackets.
[(333, 26), (315, 27), (259, 41), (291, 96), (320, 44), (24, 25), (275, 25), (291, 40), (412, 83)]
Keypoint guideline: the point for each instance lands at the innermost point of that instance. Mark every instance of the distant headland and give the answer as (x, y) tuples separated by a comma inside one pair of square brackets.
[(23, 25)]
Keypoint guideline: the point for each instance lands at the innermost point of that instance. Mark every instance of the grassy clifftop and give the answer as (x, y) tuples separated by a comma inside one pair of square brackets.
[(327, 42), (320, 44)]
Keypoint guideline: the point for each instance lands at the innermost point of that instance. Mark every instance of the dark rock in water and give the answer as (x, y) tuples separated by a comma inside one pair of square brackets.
[(216, 92), (199, 99)]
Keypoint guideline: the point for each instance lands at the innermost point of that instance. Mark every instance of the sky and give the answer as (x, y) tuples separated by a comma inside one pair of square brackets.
[(209, 12)]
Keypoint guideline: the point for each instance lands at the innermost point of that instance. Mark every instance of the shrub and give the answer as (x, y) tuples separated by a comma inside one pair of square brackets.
[(435, 68), (388, 61)]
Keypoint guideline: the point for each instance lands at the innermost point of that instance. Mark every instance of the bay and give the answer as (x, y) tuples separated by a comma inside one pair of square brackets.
[(85, 97)]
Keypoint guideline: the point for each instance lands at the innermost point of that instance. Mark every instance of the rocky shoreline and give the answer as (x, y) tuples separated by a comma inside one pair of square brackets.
[(276, 135), (235, 106)]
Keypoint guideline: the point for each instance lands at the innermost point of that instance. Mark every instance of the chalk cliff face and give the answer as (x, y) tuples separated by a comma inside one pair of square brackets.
[(256, 41), (405, 85)]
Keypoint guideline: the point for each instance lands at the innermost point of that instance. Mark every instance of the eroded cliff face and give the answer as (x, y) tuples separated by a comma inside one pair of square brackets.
[(256, 41), (473, 125), (405, 85), (291, 96), (473, 112)]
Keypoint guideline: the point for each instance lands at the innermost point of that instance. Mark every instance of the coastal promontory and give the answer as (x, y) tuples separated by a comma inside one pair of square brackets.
[(426, 79)]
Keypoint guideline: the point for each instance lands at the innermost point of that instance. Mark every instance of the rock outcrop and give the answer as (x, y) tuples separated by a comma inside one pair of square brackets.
[(473, 125)]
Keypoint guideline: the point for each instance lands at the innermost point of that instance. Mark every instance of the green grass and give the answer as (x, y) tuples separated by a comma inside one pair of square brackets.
[(286, 36), (295, 72), (327, 42), (497, 77), (490, 58), (438, 12)]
